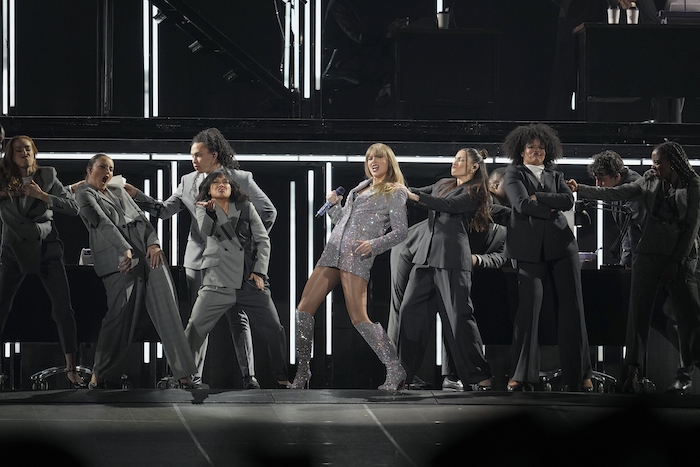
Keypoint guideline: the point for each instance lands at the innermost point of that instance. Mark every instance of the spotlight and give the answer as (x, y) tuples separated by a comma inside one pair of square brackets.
[(195, 47), (230, 75)]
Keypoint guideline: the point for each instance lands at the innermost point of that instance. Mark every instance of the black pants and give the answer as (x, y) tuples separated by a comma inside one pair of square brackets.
[(571, 325)]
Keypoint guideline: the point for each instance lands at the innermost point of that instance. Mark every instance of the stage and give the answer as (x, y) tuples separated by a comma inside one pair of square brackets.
[(343, 427)]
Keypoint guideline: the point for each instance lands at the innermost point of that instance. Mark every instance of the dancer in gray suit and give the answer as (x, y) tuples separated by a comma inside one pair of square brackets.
[(128, 258), (444, 265), (210, 151), (29, 196), (667, 256), (235, 261)]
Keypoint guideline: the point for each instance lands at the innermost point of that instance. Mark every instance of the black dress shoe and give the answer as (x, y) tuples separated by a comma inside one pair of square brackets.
[(249, 382), (476, 387), (680, 387), (418, 384)]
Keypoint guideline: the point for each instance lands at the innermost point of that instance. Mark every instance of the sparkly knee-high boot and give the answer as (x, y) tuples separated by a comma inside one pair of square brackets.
[(375, 336), (304, 337)]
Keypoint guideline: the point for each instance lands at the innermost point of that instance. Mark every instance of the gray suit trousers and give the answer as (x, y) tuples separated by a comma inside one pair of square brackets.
[(451, 289), (127, 294), (212, 302), (646, 283), (53, 276), (239, 326)]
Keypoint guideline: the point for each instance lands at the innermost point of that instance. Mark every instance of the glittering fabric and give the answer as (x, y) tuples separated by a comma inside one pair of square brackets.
[(374, 335), (364, 217)]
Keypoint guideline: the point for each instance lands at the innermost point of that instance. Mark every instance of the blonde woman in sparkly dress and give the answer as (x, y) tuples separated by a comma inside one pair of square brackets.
[(359, 235)]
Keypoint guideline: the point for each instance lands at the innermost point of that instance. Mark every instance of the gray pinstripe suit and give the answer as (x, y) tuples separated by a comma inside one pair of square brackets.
[(184, 198), (116, 224)]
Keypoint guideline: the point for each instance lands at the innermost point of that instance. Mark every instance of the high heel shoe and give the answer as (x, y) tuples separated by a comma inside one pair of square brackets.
[(75, 379), (520, 386), (374, 335), (585, 387), (304, 339), (631, 383)]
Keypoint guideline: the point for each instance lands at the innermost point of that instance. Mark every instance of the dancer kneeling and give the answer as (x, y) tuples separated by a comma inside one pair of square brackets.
[(360, 234)]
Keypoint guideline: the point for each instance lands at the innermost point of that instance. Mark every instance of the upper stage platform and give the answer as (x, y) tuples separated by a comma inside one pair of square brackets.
[(327, 137)]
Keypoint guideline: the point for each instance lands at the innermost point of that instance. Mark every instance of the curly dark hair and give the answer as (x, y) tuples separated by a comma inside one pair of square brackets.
[(216, 143), (606, 163), (236, 193), (514, 144), (676, 155), (476, 187)]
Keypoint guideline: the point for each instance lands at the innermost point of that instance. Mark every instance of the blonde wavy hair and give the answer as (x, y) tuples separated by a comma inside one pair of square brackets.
[(393, 174)]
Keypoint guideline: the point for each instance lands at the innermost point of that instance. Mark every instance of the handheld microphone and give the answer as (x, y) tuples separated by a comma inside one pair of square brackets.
[(340, 191)]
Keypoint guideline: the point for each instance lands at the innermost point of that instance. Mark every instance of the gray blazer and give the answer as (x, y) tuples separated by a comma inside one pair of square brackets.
[(20, 232), (107, 225), (679, 239), (446, 244), (225, 257), (184, 198)]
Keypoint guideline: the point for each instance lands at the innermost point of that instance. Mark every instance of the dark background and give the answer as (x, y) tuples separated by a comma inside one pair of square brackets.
[(58, 74)]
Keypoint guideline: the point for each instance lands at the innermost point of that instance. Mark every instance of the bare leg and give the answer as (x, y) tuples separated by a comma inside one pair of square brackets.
[(322, 281), (71, 372)]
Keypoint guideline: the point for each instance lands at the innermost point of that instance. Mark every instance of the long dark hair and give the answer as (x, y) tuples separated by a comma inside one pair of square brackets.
[(477, 188), (236, 193), (514, 144), (215, 142)]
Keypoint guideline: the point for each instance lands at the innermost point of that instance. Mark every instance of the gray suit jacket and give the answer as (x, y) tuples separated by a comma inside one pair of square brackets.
[(20, 232), (446, 244), (184, 198), (679, 239), (104, 218), (232, 241)]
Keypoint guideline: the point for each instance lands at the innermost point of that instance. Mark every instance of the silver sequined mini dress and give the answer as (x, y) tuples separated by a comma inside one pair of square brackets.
[(364, 217)]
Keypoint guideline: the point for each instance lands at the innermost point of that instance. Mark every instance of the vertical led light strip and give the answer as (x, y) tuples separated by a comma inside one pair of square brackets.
[(307, 49), (146, 59), (439, 7), (146, 352), (317, 43), (159, 196), (5, 59), (438, 340), (8, 56), (599, 233), (154, 63), (287, 41), (329, 299), (174, 244), (310, 222), (292, 270), (297, 45), (147, 191)]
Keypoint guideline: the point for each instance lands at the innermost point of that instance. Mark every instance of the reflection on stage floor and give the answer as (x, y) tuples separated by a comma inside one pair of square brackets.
[(343, 427)]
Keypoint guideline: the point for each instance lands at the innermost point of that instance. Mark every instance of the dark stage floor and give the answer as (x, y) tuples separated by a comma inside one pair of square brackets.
[(344, 427)]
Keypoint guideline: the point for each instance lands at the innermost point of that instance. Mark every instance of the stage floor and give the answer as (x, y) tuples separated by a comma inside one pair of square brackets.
[(343, 427)]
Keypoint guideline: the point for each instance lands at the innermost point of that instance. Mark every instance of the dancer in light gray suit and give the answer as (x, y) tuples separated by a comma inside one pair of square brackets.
[(29, 196), (128, 258), (210, 150), (235, 261)]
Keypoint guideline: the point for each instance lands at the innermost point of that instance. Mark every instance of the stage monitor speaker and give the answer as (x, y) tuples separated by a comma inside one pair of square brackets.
[(446, 74)]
